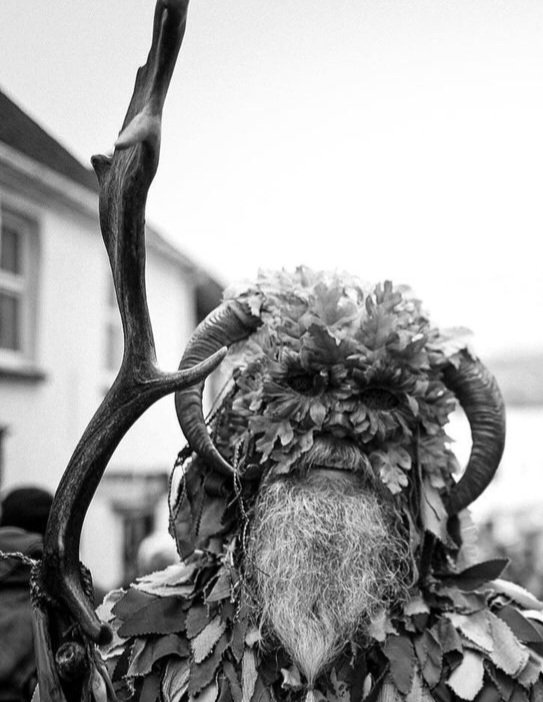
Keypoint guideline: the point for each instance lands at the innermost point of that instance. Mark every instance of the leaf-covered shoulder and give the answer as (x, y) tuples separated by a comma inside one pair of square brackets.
[(178, 632), (464, 636)]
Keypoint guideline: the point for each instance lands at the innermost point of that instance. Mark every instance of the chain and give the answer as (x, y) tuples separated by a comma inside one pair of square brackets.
[(18, 556)]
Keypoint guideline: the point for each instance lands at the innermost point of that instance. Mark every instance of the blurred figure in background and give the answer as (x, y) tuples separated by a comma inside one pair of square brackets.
[(156, 552), (23, 520), (518, 536)]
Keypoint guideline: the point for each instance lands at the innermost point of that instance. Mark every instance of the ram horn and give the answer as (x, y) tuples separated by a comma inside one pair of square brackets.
[(228, 323), (480, 398)]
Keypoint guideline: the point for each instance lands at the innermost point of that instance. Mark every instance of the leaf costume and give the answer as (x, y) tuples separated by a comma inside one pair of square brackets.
[(328, 355)]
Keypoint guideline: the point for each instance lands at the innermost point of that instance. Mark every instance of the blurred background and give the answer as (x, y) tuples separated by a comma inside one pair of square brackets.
[(392, 139)]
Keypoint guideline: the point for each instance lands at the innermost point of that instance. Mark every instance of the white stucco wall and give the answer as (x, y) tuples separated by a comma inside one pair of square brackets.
[(46, 418), (155, 438)]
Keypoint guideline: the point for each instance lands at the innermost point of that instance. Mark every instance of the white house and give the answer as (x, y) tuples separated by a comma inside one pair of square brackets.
[(60, 341)]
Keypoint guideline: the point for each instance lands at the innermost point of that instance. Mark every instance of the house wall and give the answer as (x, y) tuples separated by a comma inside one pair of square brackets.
[(153, 442), (45, 418)]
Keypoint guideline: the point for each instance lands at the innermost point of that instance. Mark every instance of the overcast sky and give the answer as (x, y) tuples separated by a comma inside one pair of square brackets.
[(395, 138)]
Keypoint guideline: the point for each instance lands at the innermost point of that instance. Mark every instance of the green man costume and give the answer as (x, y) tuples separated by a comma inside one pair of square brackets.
[(326, 552)]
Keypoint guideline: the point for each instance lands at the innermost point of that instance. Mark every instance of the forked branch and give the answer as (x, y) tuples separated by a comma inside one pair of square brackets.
[(124, 182)]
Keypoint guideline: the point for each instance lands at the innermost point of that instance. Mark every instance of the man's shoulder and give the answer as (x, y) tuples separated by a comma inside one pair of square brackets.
[(16, 540), (20, 543)]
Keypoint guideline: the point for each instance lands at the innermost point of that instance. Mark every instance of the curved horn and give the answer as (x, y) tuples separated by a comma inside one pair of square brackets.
[(481, 399), (229, 323)]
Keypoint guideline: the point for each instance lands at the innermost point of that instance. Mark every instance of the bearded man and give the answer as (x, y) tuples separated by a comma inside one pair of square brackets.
[(324, 541)]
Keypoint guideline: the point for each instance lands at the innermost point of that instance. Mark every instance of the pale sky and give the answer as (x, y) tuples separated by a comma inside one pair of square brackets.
[(396, 139)]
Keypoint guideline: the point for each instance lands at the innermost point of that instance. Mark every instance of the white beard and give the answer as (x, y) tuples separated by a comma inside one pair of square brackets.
[(323, 555)]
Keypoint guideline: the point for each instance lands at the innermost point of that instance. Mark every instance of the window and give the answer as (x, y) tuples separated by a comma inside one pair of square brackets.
[(18, 275)]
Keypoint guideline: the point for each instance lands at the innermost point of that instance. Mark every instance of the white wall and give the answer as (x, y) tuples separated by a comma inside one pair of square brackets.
[(46, 418), (155, 438)]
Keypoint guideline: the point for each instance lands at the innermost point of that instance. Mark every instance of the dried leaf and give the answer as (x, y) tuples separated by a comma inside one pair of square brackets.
[(175, 680), (391, 466), (197, 619), (291, 677), (98, 687), (150, 649), (389, 692), (175, 580), (115, 647), (102, 668), (519, 695), (531, 671), (489, 694), (475, 627), (104, 611), (479, 574), (537, 692), (222, 588), (201, 674), (401, 655), (235, 687), (209, 693), (448, 636), (519, 625), (248, 675), (419, 692), (469, 553), (121, 666), (164, 615), (452, 340), (254, 302), (150, 691), (430, 657), (509, 654), (380, 626), (467, 679), (132, 601), (317, 412), (211, 519), (237, 643), (416, 605), (176, 574), (166, 590), (517, 593), (261, 693), (253, 636), (503, 682), (465, 602), (433, 513), (203, 644), (225, 694)]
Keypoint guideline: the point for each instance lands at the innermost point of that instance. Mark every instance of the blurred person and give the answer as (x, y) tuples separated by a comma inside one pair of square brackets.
[(23, 519), (156, 552)]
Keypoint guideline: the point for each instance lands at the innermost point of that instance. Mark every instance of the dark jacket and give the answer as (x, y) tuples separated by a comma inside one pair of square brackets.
[(17, 663)]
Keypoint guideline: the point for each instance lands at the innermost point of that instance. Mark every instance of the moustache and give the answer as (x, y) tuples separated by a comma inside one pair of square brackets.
[(328, 452)]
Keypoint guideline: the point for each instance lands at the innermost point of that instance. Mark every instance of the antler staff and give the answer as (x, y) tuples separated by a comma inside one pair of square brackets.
[(124, 182)]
